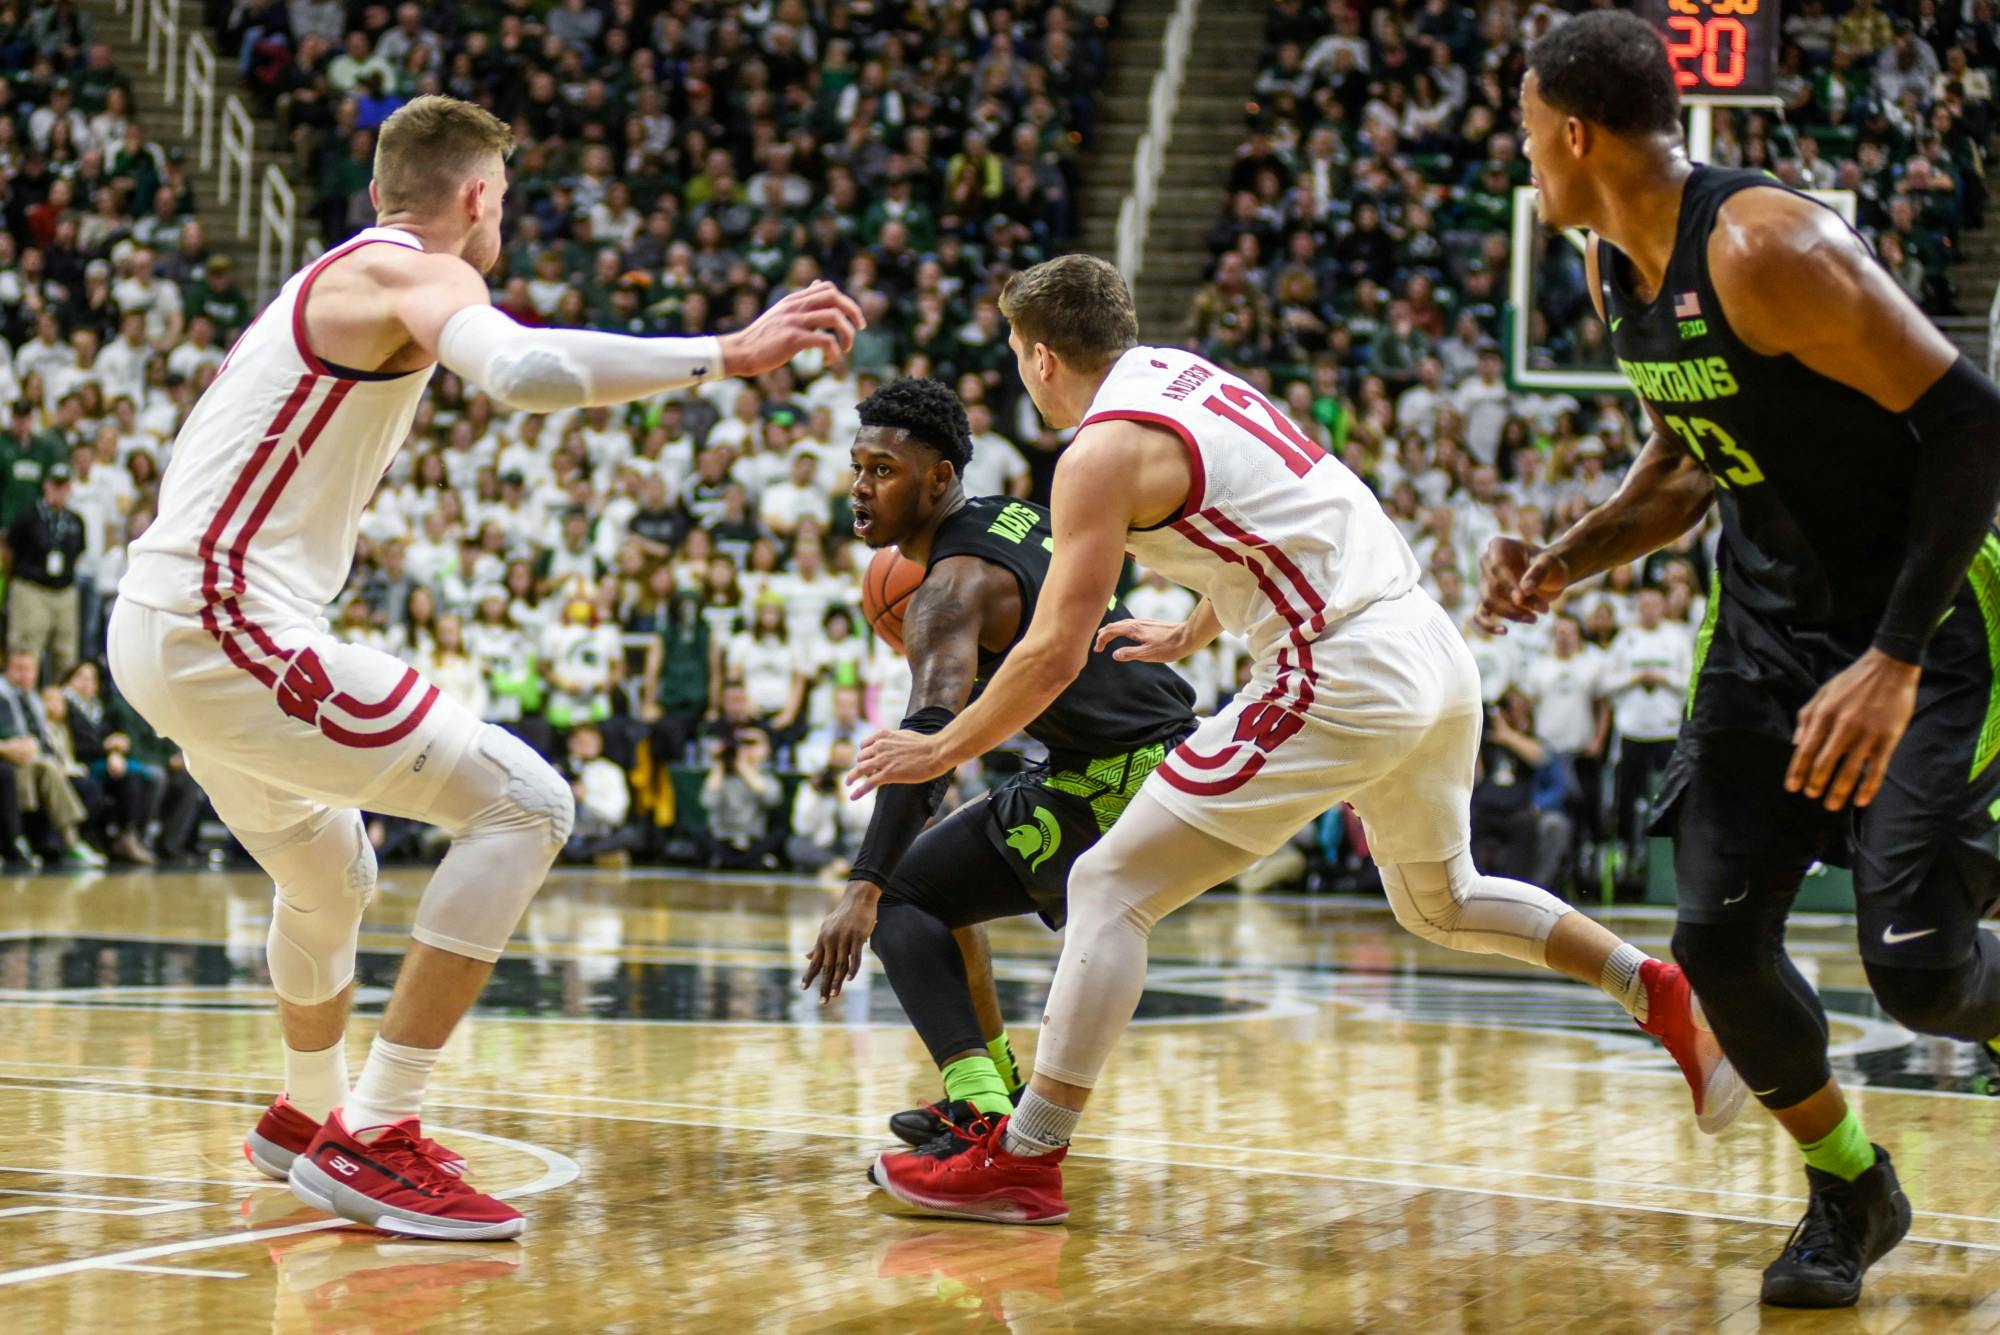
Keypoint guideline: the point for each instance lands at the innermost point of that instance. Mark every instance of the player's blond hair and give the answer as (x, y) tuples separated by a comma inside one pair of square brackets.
[(429, 148), (1076, 304)]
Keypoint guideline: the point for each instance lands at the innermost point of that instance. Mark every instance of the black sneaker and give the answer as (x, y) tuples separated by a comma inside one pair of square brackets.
[(1848, 1226), (958, 1125), (920, 1126)]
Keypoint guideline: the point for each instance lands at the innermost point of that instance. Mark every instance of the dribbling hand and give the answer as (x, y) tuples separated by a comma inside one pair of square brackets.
[(1517, 582), (835, 958), (817, 316)]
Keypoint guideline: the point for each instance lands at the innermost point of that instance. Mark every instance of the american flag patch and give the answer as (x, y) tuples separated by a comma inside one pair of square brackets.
[(1687, 306)]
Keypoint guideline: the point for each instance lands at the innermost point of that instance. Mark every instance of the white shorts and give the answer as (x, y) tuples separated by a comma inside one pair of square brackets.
[(280, 721), (1382, 712)]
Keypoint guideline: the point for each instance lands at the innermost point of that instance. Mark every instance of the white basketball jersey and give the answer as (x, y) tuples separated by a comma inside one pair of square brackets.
[(262, 501), (1279, 535)]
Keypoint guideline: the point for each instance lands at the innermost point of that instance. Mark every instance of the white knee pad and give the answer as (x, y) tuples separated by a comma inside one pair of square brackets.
[(530, 795), (325, 877), (1452, 904), (509, 814)]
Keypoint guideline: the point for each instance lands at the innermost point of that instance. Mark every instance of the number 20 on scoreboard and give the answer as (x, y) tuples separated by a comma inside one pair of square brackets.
[(1722, 48)]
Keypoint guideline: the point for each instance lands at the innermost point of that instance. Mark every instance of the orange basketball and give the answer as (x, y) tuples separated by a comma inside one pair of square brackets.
[(885, 592)]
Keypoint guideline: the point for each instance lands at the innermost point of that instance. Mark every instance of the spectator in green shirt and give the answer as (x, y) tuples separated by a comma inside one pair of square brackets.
[(25, 455)]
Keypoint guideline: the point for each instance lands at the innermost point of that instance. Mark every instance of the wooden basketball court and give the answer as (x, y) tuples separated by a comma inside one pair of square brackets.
[(1318, 1122)]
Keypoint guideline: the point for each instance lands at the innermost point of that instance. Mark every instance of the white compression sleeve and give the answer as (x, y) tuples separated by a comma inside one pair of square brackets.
[(540, 370)]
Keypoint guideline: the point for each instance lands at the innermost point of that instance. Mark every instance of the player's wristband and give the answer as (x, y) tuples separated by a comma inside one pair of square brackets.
[(901, 810)]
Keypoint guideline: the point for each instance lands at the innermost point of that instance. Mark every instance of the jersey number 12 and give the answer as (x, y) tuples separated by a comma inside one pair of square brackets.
[(1292, 445)]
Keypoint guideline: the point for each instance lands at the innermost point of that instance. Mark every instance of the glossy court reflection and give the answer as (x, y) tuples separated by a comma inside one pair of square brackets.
[(1304, 1131)]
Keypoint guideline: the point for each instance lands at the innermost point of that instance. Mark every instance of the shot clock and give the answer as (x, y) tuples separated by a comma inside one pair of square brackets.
[(1724, 50)]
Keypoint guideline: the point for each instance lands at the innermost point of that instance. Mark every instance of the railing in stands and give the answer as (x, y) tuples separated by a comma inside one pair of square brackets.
[(189, 79), (200, 99), (1993, 336), (1150, 155), (277, 212), (237, 137), (164, 30)]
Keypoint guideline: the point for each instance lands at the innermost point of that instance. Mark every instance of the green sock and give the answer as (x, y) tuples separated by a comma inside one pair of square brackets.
[(977, 1081), (1002, 1052), (1843, 1151)]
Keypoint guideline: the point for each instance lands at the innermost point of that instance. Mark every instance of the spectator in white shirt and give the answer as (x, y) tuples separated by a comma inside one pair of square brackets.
[(1485, 402), (1646, 679), (121, 367), (1156, 598), (827, 825), (1417, 407), (603, 801), (1573, 717), (45, 352), (198, 352), (799, 497), (996, 467), (743, 427)]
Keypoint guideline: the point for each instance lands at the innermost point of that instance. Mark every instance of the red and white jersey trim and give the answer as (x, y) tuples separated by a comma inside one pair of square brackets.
[(1278, 534), (262, 501)]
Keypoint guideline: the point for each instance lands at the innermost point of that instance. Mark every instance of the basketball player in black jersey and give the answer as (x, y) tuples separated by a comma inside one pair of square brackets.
[(1009, 853), (1845, 703)]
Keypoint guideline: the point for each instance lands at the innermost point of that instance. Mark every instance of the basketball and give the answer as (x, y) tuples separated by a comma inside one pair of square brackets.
[(885, 592)]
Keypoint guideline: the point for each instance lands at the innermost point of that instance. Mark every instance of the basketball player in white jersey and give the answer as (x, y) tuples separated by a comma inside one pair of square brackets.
[(218, 640), (1362, 692)]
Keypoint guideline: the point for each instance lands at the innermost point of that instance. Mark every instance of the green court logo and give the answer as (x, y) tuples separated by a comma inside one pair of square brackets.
[(1036, 843)]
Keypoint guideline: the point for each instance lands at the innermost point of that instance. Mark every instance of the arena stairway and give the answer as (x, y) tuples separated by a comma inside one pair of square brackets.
[(1208, 125), (163, 127)]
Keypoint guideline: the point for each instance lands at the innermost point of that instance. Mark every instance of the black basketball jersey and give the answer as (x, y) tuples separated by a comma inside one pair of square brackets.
[(1810, 473), (1111, 707)]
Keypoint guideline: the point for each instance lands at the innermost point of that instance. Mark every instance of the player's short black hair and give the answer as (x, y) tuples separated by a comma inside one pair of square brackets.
[(928, 410), (1609, 67)]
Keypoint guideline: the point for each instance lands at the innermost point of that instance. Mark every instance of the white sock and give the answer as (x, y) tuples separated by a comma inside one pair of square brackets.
[(391, 1087), (1621, 980), (316, 1082), (1039, 1127)]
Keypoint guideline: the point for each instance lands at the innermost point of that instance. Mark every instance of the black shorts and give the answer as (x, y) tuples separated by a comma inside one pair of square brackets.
[(1923, 853), (1030, 831)]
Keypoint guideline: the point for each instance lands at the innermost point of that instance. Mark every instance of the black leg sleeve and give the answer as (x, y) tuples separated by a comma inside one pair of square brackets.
[(1766, 1016), (1961, 1002), (951, 877)]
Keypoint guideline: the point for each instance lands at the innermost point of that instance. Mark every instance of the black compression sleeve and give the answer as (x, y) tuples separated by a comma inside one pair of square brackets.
[(901, 810), (1952, 500)]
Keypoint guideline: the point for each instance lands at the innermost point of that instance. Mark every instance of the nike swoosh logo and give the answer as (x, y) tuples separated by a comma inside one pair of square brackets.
[(1892, 937), (1616, 320), (1737, 899), (1763, 1093)]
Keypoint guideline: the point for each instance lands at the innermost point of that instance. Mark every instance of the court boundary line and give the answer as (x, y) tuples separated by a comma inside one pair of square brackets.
[(444, 1095), (558, 1170), (66, 1267)]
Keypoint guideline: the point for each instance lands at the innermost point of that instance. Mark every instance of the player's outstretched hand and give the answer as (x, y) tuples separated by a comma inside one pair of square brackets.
[(819, 316), (1517, 582), (1152, 641), (835, 958), (896, 756), (1850, 728)]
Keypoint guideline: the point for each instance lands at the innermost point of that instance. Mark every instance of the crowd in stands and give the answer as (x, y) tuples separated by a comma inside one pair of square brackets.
[(1358, 270), (663, 599)]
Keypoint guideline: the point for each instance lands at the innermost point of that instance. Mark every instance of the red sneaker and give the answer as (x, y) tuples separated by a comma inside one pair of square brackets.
[(1674, 1017), (283, 1133), (981, 1181), (280, 1136), (399, 1183)]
